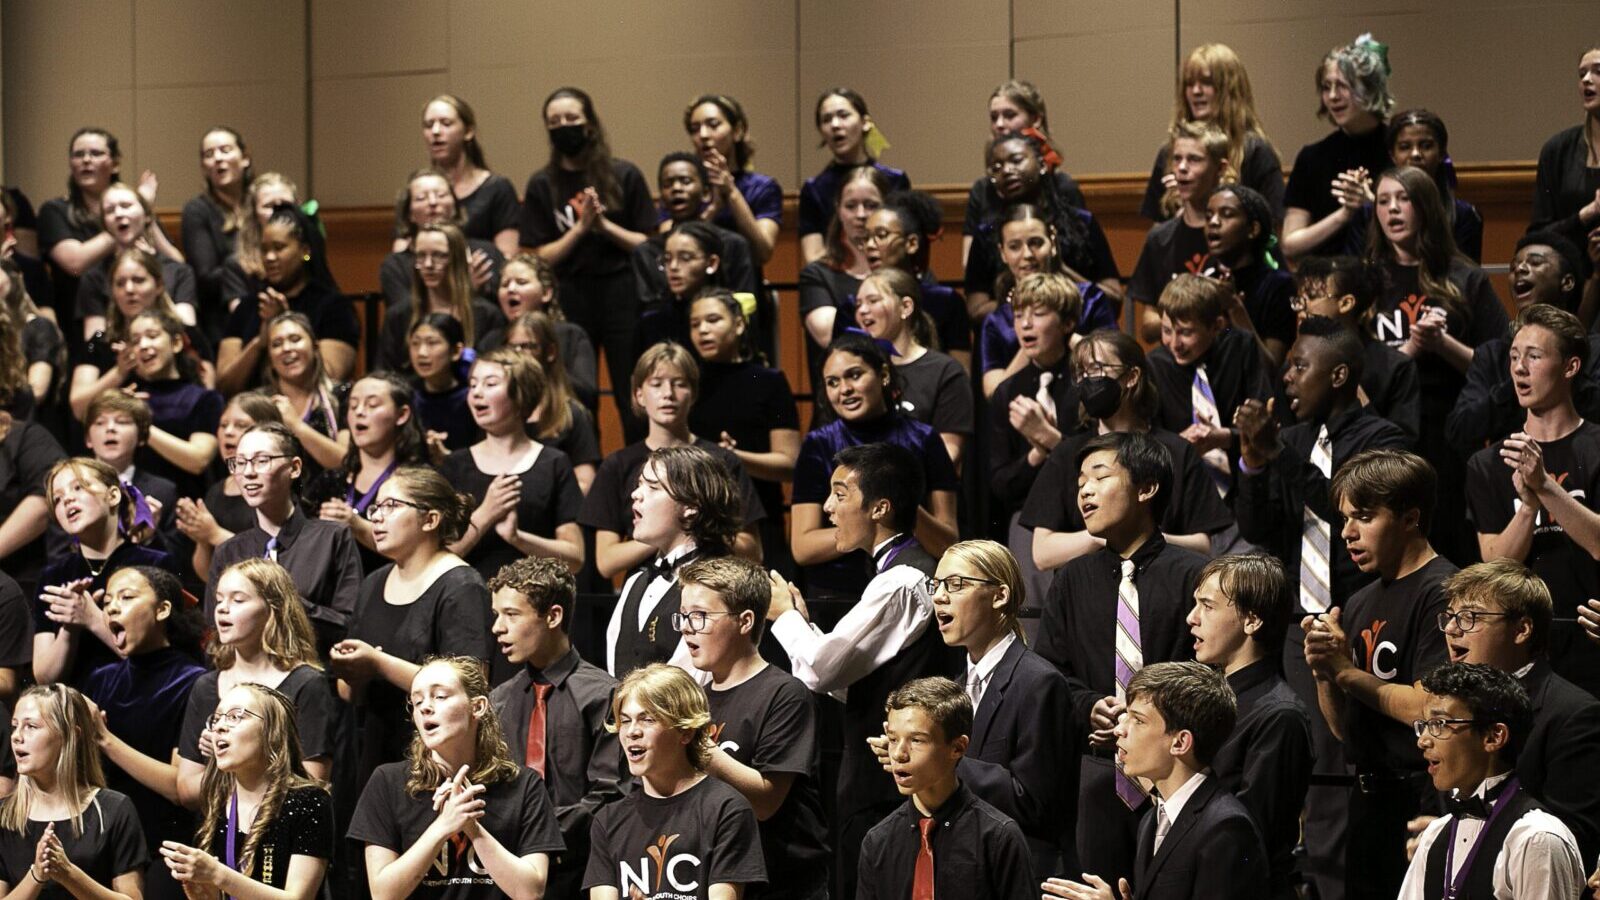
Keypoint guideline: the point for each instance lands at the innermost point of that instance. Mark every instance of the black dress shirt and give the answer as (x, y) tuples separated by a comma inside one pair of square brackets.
[(1561, 754), (978, 853), (1080, 616), (1011, 475), (583, 763), (321, 557), (1266, 762), (1234, 370), (1394, 391), (1269, 503)]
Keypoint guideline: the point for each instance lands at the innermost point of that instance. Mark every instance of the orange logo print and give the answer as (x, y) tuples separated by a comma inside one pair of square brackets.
[(1412, 306), (658, 852), (1196, 264), (715, 731), (1561, 479), (1369, 637)]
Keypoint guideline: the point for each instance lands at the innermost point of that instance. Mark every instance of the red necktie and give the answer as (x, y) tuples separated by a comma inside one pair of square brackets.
[(535, 753), (922, 877)]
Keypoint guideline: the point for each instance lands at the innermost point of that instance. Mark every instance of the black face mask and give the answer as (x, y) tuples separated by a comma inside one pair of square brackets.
[(570, 140), (1101, 395)]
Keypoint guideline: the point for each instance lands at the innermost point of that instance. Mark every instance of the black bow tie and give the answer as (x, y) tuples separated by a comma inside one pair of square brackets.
[(1474, 807), (663, 568)]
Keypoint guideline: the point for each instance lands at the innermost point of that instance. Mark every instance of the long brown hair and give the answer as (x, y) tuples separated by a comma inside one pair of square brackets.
[(322, 386), (247, 246), (555, 417), (491, 758), (1236, 103), (286, 771), (595, 159), (232, 216), (288, 638), (1435, 241), (117, 323), (77, 205), (458, 280), (838, 254)]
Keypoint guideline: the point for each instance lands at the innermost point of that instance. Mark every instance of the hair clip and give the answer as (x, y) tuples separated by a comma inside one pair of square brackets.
[(886, 346), (1380, 50), (142, 517), (875, 142), (1047, 150)]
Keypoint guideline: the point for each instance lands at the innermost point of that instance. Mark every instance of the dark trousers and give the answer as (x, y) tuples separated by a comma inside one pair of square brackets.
[(1108, 831), (1375, 853), (1327, 805), (606, 307)]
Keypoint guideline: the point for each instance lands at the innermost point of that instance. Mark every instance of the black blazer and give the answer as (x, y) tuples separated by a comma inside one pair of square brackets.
[(1559, 759), (1211, 851), (1023, 755)]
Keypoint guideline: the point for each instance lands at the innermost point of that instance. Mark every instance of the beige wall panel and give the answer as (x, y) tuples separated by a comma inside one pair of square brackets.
[(171, 121), (1062, 18), (1109, 95), (187, 42), (365, 136), (935, 121), (41, 34), (621, 33), (488, 33), (39, 123), (507, 103), (853, 25), (378, 37)]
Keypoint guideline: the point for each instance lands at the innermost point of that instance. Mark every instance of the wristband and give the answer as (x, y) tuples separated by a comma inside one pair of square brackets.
[(34, 875)]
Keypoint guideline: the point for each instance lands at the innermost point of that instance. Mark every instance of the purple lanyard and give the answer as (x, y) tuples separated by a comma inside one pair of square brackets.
[(1453, 886), (888, 557), (233, 831), (361, 505)]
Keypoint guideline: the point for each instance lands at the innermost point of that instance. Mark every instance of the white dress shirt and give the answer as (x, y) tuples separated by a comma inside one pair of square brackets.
[(894, 610), (980, 673), (647, 603), (1538, 861), (1169, 808)]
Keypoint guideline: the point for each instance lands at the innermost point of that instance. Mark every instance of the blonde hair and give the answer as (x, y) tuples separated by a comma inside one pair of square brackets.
[(1193, 298), (1219, 149), (665, 353), (91, 469), (1236, 103), (78, 773), (491, 759), (288, 639), (1051, 292), (458, 280), (545, 275), (248, 244), (993, 561), (286, 771), (525, 381), (672, 696)]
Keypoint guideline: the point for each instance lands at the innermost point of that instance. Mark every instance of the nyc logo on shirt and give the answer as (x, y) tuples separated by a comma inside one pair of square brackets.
[(715, 732), (1378, 654), (1542, 522), (457, 862), (681, 871), (1394, 328)]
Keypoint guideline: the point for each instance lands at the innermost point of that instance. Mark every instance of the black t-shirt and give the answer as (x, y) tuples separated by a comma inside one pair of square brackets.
[(517, 813), (936, 390), (332, 316), (749, 402), (1267, 295), (1089, 255), (16, 628), (1567, 569), (304, 827), (608, 506), (547, 214), (1316, 165), (56, 225), (550, 498), (1260, 169), (490, 209), (1170, 249), (1393, 631), (983, 200), (395, 353), (315, 712), (182, 409), (675, 848), (26, 454), (111, 845), (231, 511), (450, 618), (1193, 506), (42, 342), (579, 441), (94, 287), (769, 723), (1402, 301)]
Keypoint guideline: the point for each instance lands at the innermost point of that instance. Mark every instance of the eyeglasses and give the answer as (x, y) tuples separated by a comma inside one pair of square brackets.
[(258, 463), (233, 718), (882, 236), (1466, 620), (525, 347), (379, 511), (1439, 728), (695, 622), (954, 584), (682, 259), (1299, 302)]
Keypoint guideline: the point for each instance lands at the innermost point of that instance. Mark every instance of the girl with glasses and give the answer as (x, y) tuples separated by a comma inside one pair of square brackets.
[(223, 513), (268, 830), (427, 199), (262, 638), (321, 556), (442, 280), (426, 601), (63, 833), (457, 817)]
